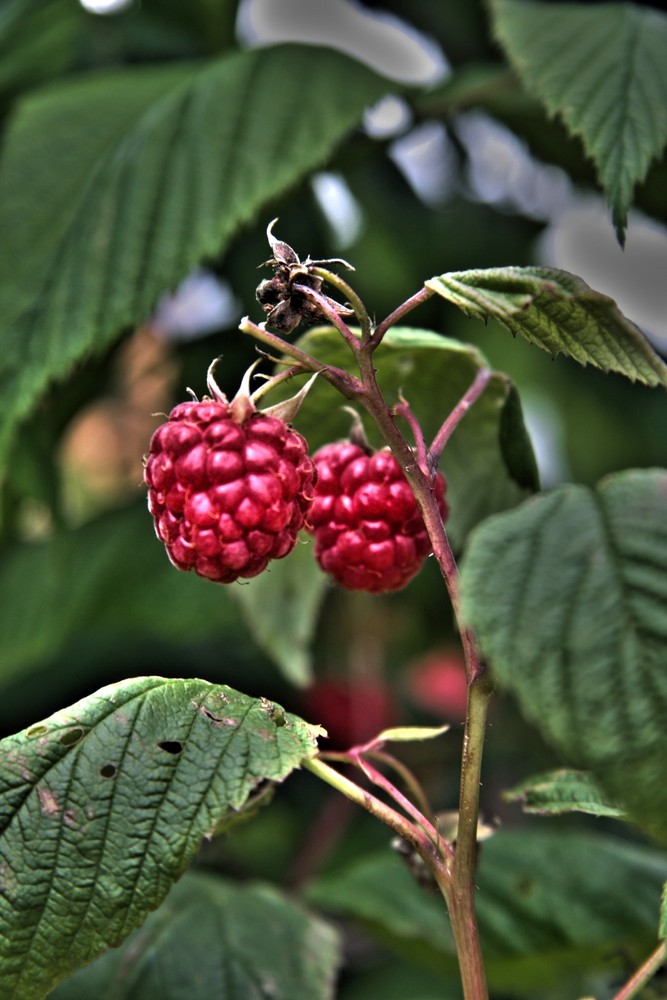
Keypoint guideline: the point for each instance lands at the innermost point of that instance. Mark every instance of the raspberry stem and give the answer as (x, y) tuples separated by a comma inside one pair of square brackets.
[(324, 304), (345, 289), (452, 421), (423, 295)]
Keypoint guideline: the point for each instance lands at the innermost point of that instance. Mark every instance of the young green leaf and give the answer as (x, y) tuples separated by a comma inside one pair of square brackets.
[(568, 594), (556, 792), (104, 804), (558, 312), (488, 462), (281, 606), (114, 186), (601, 68), (203, 942)]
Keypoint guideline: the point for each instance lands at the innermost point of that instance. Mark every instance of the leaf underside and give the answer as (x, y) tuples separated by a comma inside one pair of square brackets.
[(558, 312), (601, 68), (103, 806), (557, 792), (568, 594)]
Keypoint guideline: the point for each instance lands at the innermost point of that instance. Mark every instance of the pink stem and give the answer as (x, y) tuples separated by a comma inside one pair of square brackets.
[(458, 413), (423, 295)]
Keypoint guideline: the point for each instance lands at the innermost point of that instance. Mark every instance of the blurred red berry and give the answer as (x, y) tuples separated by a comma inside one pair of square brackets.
[(228, 488), (351, 711), (369, 533), (437, 683)]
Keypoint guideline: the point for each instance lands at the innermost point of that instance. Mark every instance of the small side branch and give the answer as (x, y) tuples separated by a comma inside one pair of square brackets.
[(644, 974), (466, 401)]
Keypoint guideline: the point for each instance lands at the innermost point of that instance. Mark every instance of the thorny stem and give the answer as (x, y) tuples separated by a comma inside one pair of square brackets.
[(346, 384), (408, 831), (466, 401), (643, 974), (423, 295), (407, 777), (403, 410), (342, 286), (325, 307), (458, 884)]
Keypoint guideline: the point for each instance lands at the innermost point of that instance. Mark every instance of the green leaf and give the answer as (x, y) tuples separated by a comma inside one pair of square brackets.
[(38, 40), (556, 792), (281, 607), (203, 942), (662, 930), (601, 68), (568, 594), (558, 312), (547, 903), (104, 804), (114, 186), (105, 595), (488, 462)]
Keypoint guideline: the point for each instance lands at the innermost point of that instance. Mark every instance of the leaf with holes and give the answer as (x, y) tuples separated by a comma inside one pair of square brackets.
[(568, 594), (556, 792), (202, 942), (557, 311), (104, 804), (601, 68), (114, 186)]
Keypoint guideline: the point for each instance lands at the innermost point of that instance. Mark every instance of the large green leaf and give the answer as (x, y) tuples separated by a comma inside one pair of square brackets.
[(488, 462), (558, 312), (109, 578), (37, 41), (203, 942), (113, 186), (104, 804), (556, 792), (568, 594), (281, 606), (601, 68), (547, 903)]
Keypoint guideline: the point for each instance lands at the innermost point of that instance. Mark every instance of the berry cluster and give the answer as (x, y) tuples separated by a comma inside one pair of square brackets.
[(228, 488), (369, 533)]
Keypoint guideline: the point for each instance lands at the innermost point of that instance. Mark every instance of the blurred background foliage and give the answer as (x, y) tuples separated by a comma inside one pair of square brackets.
[(457, 168)]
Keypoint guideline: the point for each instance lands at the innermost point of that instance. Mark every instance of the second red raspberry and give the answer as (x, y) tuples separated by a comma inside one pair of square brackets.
[(368, 530)]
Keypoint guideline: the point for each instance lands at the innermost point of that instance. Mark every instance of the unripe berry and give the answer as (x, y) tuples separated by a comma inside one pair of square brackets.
[(369, 533), (228, 487)]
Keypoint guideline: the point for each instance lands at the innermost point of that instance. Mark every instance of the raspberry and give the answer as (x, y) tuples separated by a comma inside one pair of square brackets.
[(228, 487), (369, 533)]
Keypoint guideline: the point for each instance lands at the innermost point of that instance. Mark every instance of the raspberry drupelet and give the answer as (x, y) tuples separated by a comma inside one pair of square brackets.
[(368, 530)]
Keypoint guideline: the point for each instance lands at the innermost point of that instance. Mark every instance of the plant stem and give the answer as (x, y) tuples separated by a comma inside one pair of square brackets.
[(342, 286), (643, 974), (408, 831), (423, 295), (466, 401), (346, 384)]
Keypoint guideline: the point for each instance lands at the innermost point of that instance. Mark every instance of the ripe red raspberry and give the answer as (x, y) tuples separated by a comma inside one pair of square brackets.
[(369, 533), (228, 487)]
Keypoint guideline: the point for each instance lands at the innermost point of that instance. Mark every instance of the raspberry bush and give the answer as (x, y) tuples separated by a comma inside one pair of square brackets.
[(142, 154)]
